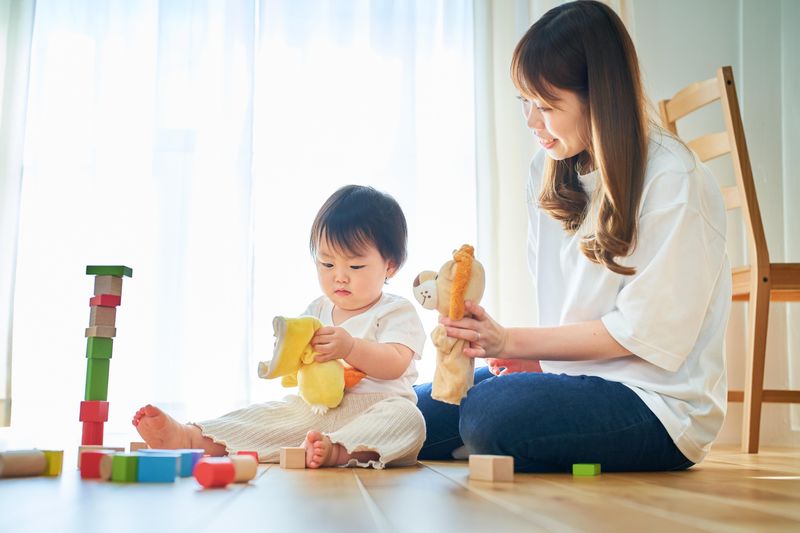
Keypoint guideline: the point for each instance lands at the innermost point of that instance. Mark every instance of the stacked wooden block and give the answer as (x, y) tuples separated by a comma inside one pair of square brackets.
[(99, 345)]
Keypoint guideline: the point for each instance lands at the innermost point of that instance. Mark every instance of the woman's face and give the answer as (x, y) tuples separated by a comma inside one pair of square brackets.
[(562, 126)]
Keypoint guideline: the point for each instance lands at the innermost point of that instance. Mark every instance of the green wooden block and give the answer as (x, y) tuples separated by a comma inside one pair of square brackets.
[(97, 379), (99, 347), (124, 467), (109, 270), (586, 469)]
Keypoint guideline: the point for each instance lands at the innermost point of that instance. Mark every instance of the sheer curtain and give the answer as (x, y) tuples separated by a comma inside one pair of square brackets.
[(194, 141)]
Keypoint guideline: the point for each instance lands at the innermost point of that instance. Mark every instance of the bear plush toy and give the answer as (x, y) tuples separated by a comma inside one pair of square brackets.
[(461, 279), (321, 385)]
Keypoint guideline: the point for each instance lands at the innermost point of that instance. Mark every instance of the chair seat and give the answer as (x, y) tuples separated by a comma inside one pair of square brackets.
[(785, 285)]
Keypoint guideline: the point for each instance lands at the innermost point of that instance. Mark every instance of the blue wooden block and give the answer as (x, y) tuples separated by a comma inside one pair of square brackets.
[(189, 458), (157, 467)]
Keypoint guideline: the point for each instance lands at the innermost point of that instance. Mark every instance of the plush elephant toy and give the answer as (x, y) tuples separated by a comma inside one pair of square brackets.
[(461, 279)]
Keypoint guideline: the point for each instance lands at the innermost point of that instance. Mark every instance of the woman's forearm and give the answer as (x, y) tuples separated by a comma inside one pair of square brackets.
[(570, 342)]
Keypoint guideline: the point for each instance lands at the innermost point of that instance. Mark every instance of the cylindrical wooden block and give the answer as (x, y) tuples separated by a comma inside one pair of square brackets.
[(244, 467), (212, 472), (253, 454), (106, 466), (90, 464), (22, 463)]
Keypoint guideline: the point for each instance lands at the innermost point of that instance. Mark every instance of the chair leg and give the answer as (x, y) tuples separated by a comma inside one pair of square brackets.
[(755, 354)]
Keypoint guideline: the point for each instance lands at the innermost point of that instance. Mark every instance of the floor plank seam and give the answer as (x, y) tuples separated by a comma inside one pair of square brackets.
[(381, 522)]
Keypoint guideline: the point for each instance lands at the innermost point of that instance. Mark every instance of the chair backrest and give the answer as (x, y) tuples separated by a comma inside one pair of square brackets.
[(713, 145)]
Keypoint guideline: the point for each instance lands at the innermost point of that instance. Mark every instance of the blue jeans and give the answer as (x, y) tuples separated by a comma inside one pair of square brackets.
[(547, 422)]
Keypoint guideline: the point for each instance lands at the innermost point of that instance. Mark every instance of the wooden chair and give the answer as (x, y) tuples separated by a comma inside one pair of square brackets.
[(761, 281)]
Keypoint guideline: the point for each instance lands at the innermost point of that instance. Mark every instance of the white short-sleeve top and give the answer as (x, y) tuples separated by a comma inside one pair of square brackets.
[(392, 320), (672, 313)]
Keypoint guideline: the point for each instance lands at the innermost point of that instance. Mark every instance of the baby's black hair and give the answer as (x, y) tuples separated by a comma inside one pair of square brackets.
[(357, 216)]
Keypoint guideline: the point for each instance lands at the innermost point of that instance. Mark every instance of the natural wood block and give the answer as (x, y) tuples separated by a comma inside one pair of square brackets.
[(92, 433), (109, 270), (93, 411), (99, 347), (105, 300), (55, 461), (96, 448), (108, 285), (292, 457), (103, 316), (244, 467), (97, 379), (135, 446), (18, 463), (124, 467), (101, 331), (106, 466), (491, 467), (586, 469), (214, 472), (90, 463)]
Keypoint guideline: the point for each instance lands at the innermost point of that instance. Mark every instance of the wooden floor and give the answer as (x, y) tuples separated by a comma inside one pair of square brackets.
[(730, 491)]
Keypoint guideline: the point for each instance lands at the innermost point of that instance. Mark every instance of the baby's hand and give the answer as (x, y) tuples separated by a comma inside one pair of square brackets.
[(501, 367), (332, 343)]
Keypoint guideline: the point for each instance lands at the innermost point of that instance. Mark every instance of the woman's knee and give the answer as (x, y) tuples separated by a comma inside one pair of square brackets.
[(482, 423)]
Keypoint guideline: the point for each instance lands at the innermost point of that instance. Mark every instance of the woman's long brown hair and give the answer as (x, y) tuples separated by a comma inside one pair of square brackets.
[(583, 47)]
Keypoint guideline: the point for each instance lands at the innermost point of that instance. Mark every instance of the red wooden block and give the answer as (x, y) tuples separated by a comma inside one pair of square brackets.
[(105, 300), (247, 452), (92, 433), (90, 464), (94, 411), (212, 472)]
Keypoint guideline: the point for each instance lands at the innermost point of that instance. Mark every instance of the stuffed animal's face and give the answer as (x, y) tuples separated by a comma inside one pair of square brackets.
[(434, 291)]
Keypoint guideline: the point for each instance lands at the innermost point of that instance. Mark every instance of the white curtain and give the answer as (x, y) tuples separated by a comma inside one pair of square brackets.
[(194, 141), (16, 24)]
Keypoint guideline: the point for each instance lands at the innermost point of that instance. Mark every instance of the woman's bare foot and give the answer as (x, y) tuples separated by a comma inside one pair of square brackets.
[(320, 451)]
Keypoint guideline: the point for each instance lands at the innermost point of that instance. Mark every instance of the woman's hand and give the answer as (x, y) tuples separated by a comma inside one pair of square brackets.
[(486, 337), (501, 367), (332, 343)]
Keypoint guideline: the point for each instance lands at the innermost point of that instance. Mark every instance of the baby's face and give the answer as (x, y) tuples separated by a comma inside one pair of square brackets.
[(352, 282)]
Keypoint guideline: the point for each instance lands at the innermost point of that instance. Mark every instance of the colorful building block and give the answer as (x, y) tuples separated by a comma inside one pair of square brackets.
[(124, 467), (55, 461), (586, 469), (106, 465), (94, 411), (108, 285), (97, 379), (96, 448), (92, 433), (491, 468), (109, 270), (214, 472), (189, 458), (99, 347), (103, 316), (156, 467), (101, 331), (90, 463), (293, 457), (136, 446), (19, 463), (244, 467), (105, 300), (254, 455)]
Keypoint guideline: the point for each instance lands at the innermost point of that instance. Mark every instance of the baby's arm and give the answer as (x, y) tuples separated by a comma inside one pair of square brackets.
[(378, 360)]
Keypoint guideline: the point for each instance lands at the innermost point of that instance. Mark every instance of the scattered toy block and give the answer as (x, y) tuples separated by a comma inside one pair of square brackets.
[(92, 433), (214, 472), (19, 463), (189, 458), (101, 331), (157, 467), (498, 468), (293, 457), (96, 448), (105, 300), (136, 446), (244, 468), (586, 469), (97, 379), (94, 411), (103, 316), (109, 270), (90, 463), (124, 467), (106, 466), (99, 347), (254, 455), (55, 461), (108, 285)]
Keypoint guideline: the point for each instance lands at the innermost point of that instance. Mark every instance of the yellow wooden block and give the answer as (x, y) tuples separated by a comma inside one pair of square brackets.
[(491, 468), (55, 461), (107, 285), (293, 457)]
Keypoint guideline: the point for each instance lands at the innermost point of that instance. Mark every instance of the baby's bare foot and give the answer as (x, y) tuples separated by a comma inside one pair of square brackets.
[(159, 430), (320, 451)]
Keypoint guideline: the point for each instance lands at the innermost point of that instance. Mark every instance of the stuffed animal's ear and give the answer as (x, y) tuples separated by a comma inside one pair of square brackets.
[(425, 289)]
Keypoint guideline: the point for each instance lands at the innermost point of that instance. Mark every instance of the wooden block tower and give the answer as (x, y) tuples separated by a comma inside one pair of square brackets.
[(99, 343)]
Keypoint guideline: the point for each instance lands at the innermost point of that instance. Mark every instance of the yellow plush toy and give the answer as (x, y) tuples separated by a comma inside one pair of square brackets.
[(321, 385), (461, 279)]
